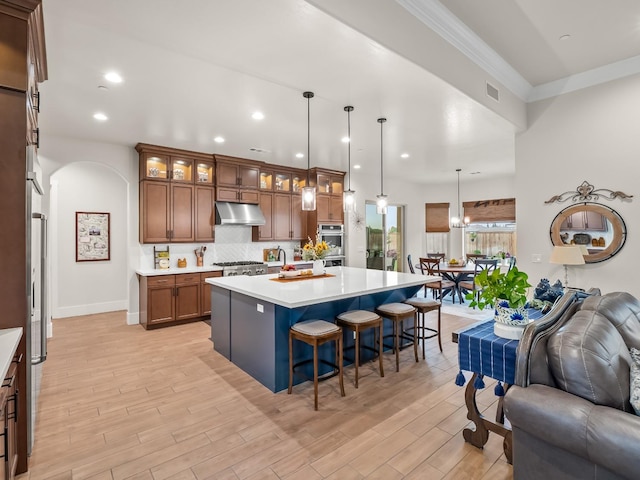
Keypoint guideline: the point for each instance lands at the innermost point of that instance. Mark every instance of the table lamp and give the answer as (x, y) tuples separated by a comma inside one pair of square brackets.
[(567, 255)]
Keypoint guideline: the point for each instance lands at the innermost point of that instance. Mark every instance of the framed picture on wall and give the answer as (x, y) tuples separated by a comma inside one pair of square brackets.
[(92, 237)]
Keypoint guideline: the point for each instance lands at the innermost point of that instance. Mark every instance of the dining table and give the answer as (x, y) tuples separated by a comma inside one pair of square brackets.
[(457, 273)]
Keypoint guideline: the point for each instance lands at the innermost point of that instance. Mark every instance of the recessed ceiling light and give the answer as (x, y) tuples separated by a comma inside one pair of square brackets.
[(566, 36), (345, 139), (100, 116), (218, 139), (299, 155), (257, 115), (113, 77), (357, 167), (404, 155)]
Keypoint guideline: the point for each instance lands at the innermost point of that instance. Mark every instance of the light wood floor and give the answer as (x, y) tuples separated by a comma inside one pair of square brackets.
[(120, 402)]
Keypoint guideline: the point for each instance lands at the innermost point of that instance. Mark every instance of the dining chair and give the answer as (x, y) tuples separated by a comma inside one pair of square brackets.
[(431, 266), (489, 264), (410, 262), (512, 263), (439, 256), (474, 256)]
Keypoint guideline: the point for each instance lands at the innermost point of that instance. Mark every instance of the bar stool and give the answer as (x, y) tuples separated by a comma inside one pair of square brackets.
[(397, 313), (423, 306), (357, 321), (314, 333)]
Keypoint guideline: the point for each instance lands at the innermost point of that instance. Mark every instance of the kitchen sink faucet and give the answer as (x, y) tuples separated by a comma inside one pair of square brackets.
[(280, 250)]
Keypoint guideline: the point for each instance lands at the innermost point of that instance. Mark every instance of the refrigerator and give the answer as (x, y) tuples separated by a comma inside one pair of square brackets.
[(37, 284)]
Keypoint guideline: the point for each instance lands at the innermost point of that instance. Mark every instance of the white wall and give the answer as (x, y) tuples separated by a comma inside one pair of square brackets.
[(81, 288), (591, 135)]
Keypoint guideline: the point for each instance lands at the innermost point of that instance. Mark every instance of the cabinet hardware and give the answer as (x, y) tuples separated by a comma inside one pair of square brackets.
[(37, 132), (8, 382), (13, 415), (36, 106), (18, 359), (5, 455)]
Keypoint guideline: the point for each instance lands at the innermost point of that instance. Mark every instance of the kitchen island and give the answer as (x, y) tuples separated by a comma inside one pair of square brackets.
[(251, 316)]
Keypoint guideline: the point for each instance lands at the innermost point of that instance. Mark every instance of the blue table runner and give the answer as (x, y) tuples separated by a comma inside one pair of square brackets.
[(481, 351)]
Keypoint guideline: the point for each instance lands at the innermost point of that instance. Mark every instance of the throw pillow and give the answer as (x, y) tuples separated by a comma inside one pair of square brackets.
[(635, 380)]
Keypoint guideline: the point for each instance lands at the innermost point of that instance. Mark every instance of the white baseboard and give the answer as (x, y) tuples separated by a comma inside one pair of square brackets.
[(133, 318), (77, 310)]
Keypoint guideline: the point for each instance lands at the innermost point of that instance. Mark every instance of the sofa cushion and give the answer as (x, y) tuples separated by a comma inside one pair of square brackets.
[(635, 380), (589, 358), (623, 310)]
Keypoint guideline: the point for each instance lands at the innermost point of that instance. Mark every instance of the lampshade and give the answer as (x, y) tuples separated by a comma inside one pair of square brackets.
[(349, 196), (308, 192), (458, 222), (381, 202), (584, 250), (567, 255)]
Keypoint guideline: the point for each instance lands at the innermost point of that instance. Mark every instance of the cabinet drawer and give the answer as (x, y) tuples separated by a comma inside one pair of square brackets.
[(185, 278), (161, 280)]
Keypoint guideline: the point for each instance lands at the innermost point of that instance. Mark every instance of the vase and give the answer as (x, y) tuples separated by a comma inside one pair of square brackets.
[(318, 267), (510, 322)]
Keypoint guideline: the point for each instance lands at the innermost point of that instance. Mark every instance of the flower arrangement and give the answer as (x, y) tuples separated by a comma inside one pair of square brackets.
[(316, 251)]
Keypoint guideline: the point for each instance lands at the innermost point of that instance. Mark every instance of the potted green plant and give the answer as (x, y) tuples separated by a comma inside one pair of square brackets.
[(505, 292)]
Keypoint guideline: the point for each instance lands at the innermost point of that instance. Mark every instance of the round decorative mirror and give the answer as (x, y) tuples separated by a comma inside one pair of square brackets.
[(598, 228)]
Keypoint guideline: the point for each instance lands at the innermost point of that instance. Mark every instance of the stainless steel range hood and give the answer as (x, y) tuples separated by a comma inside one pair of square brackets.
[(228, 213)]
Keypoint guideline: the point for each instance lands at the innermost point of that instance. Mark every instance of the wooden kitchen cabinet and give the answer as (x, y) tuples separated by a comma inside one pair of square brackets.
[(329, 209), (205, 293), (205, 214), (265, 232), (281, 216), (171, 299), (10, 421), (187, 292), (237, 179), (23, 65), (585, 221), (166, 212), (298, 218)]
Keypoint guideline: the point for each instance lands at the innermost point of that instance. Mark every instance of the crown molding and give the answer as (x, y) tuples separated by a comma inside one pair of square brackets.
[(439, 19)]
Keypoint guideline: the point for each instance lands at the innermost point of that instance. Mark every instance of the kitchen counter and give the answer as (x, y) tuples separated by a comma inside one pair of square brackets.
[(9, 339), (151, 272), (251, 315), (347, 282)]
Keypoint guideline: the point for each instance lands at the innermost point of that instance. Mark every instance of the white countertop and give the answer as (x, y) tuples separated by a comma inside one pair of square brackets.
[(150, 272), (348, 282), (9, 339)]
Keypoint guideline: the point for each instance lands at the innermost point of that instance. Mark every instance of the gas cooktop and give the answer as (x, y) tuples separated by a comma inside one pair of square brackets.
[(236, 264), (242, 268)]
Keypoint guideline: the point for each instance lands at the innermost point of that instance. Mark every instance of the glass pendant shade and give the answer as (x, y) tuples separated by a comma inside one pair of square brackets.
[(455, 221), (308, 192), (308, 198), (349, 200), (381, 204)]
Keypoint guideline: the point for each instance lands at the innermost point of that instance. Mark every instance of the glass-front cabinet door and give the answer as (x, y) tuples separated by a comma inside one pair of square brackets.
[(283, 182), (266, 180), (182, 169), (204, 173), (156, 166), (298, 182)]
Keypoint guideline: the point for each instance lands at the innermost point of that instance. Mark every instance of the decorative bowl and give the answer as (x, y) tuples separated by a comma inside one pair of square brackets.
[(289, 273)]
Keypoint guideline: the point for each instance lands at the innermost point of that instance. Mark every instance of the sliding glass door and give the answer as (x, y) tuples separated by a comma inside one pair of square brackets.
[(385, 238)]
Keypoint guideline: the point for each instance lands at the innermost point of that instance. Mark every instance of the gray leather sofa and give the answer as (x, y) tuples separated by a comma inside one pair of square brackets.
[(570, 410)]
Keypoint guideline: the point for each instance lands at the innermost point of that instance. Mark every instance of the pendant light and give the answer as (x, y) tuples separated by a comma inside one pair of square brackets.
[(381, 203), (455, 221), (308, 192), (349, 196)]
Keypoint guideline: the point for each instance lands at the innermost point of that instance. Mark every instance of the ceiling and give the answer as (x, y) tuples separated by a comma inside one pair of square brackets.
[(198, 69)]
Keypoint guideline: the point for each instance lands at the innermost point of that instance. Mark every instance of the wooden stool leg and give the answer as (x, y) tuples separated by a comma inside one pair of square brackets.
[(315, 375), (340, 362), (415, 335), (439, 339), (357, 352), (422, 329), (380, 346), (290, 362), (397, 343)]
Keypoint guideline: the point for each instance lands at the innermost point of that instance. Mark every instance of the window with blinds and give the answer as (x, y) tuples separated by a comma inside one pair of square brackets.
[(501, 210), (436, 217)]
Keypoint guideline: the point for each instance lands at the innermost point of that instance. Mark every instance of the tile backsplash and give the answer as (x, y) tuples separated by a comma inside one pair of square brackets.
[(233, 243)]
